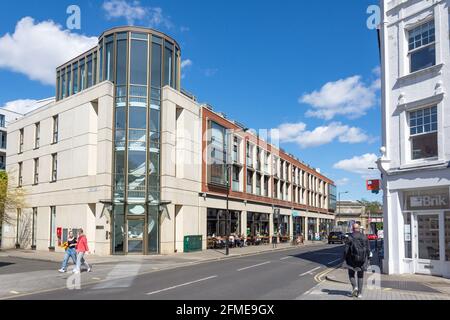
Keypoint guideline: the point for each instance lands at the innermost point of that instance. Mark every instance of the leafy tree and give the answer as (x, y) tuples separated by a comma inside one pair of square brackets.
[(11, 198), (371, 206)]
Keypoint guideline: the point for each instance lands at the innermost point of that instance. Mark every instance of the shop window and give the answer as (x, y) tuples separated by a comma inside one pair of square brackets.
[(407, 236)]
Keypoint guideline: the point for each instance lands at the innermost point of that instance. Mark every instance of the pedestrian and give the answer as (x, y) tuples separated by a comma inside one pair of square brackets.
[(82, 248), (357, 255), (70, 252)]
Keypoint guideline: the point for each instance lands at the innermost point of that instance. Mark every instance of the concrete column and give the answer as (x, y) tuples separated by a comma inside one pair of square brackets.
[(306, 230), (244, 223), (291, 226), (270, 226)]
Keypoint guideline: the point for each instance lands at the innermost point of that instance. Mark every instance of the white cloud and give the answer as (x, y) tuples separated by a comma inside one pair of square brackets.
[(348, 97), (342, 182), (186, 63), (211, 72), (36, 49), (296, 132), (21, 106), (359, 164), (133, 11)]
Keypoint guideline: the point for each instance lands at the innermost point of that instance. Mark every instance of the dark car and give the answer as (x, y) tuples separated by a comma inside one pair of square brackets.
[(336, 237)]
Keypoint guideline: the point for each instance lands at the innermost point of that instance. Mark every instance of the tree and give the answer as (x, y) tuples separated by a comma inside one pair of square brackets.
[(11, 199), (371, 206)]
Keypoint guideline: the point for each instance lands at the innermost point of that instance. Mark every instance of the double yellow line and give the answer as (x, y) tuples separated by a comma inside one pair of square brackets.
[(320, 277)]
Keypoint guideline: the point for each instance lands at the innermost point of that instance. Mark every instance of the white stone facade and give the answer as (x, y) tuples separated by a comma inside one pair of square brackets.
[(415, 174)]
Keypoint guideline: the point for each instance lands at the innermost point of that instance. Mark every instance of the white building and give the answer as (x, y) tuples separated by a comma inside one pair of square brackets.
[(415, 51)]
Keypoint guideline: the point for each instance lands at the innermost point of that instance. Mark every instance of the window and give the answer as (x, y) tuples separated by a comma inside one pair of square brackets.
[(34, 228), (423, 133), (18, 218), (266, 186), (37, 134), (36, 171), (19, 184), (55, 129), (2, 140), (138, 62), (109, 58), (258, 184), (258, 159), (422, 51), (54, 167), (90, 77), (249, 181), (121, 63), (82, 75), (168, 60), (20, 140), (236, 172), (266, 162), (2, 120), (52, 227), (249, 155), (236, 150), (75, 78), (217, 155)]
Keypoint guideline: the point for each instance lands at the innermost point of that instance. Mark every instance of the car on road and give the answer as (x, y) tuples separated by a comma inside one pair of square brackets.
[(372, 237), (336, 237)]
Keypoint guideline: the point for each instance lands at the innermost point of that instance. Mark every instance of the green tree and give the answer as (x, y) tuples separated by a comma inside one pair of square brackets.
[(11, 199)]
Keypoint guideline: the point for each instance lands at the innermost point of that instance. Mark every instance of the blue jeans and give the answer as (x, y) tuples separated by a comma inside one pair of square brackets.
[(81, 261), (70, 253)]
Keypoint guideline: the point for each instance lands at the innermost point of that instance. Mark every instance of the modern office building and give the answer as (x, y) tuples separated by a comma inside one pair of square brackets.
[(415, 51), (140, 165)]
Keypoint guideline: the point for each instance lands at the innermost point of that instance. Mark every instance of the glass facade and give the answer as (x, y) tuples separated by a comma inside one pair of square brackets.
[(139, 62)]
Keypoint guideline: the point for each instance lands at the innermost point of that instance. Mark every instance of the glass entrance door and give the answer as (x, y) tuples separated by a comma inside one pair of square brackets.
[(428, 244), (135, 236)]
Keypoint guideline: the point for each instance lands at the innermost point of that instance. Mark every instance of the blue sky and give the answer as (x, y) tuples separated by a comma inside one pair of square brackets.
[(305, 67)]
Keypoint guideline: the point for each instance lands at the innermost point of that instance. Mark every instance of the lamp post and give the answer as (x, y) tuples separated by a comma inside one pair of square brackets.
[(228, 169), (339, 203)]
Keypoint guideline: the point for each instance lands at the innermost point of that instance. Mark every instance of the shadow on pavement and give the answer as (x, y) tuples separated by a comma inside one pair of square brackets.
[(4, 264), (333, 254), (337, 292)]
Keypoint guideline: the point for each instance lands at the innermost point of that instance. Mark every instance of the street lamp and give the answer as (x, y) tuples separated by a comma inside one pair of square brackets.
[(228, 164), (339, 203)]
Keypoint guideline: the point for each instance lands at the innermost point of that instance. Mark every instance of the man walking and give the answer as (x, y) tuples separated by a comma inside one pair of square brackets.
[(356, 255)]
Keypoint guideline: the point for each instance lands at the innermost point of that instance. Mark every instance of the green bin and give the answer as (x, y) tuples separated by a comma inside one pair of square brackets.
[(193, 243)]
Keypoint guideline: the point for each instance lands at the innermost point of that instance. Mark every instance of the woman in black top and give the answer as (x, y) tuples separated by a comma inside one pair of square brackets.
[(70, 252)]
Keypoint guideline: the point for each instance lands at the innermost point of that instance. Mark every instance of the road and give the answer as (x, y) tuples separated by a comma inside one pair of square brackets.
[(277, 275)]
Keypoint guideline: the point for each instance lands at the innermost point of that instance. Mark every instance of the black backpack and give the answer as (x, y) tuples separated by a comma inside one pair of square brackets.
[(357, 251)]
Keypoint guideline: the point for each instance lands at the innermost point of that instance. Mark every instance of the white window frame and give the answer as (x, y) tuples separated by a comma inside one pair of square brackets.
[(422, 47)]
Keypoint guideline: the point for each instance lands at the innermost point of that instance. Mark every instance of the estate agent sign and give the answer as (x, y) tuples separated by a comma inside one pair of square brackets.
[(430, 199)]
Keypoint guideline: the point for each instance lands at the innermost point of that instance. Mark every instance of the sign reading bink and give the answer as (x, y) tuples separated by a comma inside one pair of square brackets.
[(428, 199)]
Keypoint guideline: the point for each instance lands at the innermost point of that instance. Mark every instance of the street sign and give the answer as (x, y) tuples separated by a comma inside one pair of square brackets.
[(373, 185)]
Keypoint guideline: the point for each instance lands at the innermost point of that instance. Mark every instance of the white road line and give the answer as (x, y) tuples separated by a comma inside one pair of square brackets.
[(309, 272), (286, 258), (181, 285), (333, 261), (256, 265)]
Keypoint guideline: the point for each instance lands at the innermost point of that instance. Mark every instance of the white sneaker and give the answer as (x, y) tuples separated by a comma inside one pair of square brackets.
[(360, 296), (89, 269), (62, 270), (355, 292)]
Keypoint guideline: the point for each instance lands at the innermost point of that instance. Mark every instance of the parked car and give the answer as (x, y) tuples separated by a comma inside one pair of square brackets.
[(372, 237), (336, 237)]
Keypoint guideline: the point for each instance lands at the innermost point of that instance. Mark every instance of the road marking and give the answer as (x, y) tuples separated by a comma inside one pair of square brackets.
[(14, 292), (333, 261), (319, 277), (95, 278), (309, 272), (181, 285), (256, 265), (286, 258)]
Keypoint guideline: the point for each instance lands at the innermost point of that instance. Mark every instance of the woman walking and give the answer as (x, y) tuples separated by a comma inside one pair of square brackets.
[(70, 252), (82, 248)]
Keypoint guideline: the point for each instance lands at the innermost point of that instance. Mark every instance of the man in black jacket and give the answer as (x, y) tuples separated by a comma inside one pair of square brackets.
[(357, 255)]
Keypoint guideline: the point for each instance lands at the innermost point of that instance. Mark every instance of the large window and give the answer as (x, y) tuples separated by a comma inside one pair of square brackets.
[(257, 224), (75, 78), (168, 62), (138, 59), (217, 154), (422, 50), (236, 184), (121, 63), (90, 76), (82, 75), (249, 181), (219, 224), (109, 58), (258, 184), (407, 236), (20, 181), (2, 120), (423, 133)]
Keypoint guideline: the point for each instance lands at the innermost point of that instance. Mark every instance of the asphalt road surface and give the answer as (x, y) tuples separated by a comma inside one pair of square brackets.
[(277, 275)]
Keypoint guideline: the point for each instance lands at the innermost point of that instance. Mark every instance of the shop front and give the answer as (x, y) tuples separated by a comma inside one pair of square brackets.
[(257, 224), (281, 226), (220, 224), (298, 224), (426, 231), (312, 229)]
